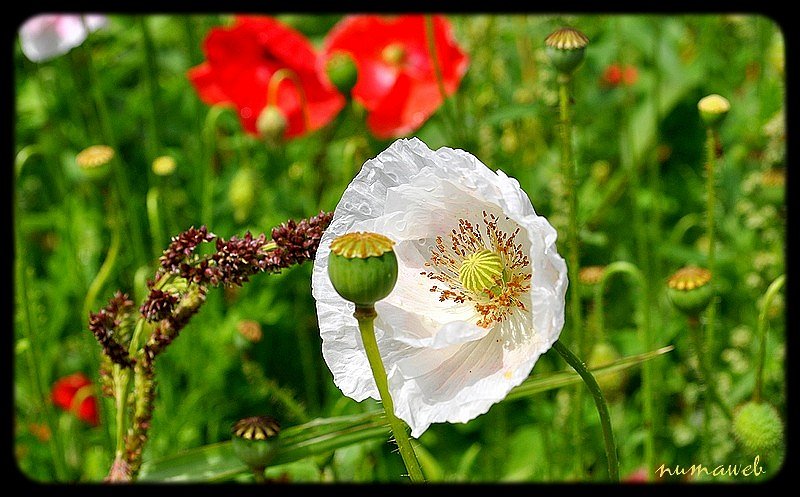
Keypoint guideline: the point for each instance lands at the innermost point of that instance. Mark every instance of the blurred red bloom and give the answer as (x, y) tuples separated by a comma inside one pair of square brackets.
[(638, 476), (242, 59), (396, 77), (75, 393), (615, 75)]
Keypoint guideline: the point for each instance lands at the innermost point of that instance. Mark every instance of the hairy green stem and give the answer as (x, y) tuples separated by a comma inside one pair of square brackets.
[(150, 73), (207, 177), (600, 403), (711, 158), (105, 271), (573, 260), (706, 379), (366, 319), (763, 325)]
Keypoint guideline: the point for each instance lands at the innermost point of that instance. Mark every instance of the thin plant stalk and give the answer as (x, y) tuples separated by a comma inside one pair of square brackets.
[(150, 74), (568, 173), (763, 326), (430, 38), (33, 357), (600, 403), (207, 178), (711, 159), (366, 319), (706, 379), (624, 267), (122, 180)]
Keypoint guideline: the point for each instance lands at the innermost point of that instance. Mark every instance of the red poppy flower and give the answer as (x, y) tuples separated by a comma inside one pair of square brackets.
[(396, 77), (242, 59), (75, 393), (615, 75)]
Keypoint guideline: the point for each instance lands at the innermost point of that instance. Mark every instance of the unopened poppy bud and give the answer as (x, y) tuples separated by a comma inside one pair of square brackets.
[(242, 193), (342, 71), (713, 109), (565, 48), (689, 290), (758, 427), (255, 440), (612, 384), (272, 124), (589, 277), (94, 162), (362, 267), (164, 165), (773, 185)]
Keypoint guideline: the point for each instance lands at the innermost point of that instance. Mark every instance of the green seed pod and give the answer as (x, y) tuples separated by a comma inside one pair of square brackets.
[(164, 165), (772, 186), (362, 267), (242, 193), (689, 290), (272, 124), (565, 48), (94, 162), (758, 427), (589, 277), (713, 109), (255, 440), (342, 71), (612, 384)]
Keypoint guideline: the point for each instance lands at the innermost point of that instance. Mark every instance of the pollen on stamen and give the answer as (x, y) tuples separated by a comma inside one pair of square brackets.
[(495, 292)]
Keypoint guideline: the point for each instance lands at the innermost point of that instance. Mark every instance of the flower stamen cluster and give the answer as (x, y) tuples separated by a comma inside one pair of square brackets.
[(495, 290)]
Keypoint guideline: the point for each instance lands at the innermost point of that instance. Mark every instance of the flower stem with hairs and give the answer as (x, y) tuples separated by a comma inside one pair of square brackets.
[(366, 317)]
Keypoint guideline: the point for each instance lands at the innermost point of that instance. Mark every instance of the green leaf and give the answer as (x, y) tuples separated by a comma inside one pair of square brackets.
[(540, 383), (218, 462)]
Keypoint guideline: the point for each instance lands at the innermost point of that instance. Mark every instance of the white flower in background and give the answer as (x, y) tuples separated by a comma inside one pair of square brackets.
[(46, 36), (480, 289)]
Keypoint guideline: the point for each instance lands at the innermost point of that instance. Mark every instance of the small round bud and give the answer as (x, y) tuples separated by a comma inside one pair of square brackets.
[(565, 47), (689, 290), (164, 165), (362, 267), (772, 185), (94, 162), (758, 426), (713, 109), (242, 193), (250, 330), (342, 71), (588, 277), (612, 384), (254, 440), (272, 124), (393, 54)]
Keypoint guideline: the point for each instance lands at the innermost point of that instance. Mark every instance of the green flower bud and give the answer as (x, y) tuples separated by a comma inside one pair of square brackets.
[(758, 427), (565, 48), (772, 185), (588, 277), (342, 71), (255, 440), (271, 124), (242, 193), (612, 384), (362, 267), (94, 162), (689, 290), (713, 109), (164, 165)]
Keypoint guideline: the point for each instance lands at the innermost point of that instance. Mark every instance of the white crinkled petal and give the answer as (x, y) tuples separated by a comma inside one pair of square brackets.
[(442, 367)]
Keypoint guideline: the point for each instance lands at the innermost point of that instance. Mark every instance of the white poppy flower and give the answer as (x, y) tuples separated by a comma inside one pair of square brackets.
[(46, 36), (480, 290)]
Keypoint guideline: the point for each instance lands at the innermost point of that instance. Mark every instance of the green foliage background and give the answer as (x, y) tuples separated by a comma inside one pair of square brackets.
[(506, 111)]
